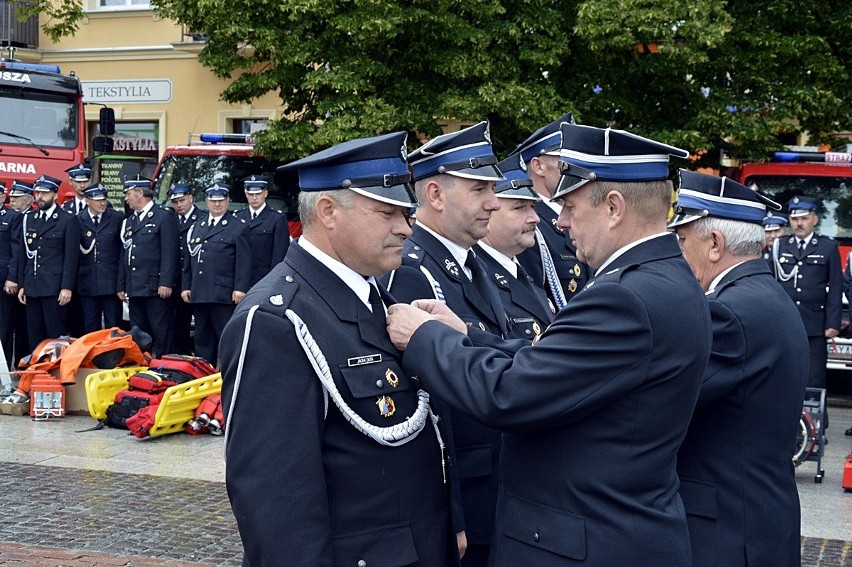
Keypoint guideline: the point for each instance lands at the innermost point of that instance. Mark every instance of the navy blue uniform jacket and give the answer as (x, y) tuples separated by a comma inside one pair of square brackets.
[(737, 480), (269, 234), (10, 244), (100, 253), (56, 244), (477, 447), (183, 228), (306, 487), (594, 413), (817, 288), (525, 303), (150, 257), (219, 260), (572, 273)]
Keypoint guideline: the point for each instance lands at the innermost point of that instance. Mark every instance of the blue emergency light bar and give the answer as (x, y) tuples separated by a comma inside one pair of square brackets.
[(211, 138), (18, 66), (813, 157)]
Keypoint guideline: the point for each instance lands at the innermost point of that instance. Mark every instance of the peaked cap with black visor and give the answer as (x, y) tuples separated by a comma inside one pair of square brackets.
[(701, 195), (374, 167), (604, 154), (466, 153)]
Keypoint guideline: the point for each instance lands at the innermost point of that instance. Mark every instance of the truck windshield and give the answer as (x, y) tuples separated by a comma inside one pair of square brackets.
[(49, 120), (202, 171), (834, 195)]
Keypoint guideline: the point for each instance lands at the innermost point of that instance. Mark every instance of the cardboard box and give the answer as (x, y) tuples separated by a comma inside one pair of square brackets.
[(76, 402), (15, 409)]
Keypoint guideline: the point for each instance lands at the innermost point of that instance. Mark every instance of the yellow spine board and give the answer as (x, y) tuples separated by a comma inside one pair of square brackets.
[(101, 388), (180, 402)]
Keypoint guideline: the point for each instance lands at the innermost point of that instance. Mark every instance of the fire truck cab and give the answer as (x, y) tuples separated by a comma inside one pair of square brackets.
[(225, 158), (827, 176)]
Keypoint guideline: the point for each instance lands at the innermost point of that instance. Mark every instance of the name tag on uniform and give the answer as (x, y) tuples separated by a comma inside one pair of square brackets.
[(362, 360)]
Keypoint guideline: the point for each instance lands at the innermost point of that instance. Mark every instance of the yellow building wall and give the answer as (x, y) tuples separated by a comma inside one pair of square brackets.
[(130, 45)]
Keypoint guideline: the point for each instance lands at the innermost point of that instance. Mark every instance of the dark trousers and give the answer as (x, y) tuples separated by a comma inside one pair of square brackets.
[(210, 319), (183, 327), (7, 326), (45, 319), (819, 356), (76, 319), (154, 316), (100, 312), (816, 374)]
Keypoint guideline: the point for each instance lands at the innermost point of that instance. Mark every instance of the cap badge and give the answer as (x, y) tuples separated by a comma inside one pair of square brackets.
[(392, 378), (487, 133), (522, 163), (403, 152), (386, 406)]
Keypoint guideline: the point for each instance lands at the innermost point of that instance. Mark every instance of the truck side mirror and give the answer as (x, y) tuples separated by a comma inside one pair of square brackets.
[(106, 121)]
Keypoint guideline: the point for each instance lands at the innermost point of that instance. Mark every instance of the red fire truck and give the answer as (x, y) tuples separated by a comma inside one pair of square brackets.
[(826, 176), (42, 123)]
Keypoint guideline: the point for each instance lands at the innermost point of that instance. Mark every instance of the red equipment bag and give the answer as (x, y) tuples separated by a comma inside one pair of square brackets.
[(145, 389), (141, 423), (181, 368)]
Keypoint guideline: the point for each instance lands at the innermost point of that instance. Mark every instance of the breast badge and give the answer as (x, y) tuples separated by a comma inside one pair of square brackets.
[(392, 378), (386, 406)]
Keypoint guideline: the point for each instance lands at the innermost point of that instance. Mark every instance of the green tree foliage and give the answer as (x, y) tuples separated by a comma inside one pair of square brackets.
[(705, 75)]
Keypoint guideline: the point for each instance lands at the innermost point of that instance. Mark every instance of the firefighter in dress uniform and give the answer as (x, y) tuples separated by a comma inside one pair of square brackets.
[(510, 232), (750, 401), (553, 262), (216, 270), (180, 195), (774, 227), (268, 229), (20, 200), (807, 265), (80, 177), (454, 181), (587, 470), (333, 454), (100, 256), (10, 254), (146, 274), (51, 243)]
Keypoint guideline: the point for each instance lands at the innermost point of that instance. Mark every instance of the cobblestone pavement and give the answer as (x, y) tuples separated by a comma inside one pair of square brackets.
[(90, 500), (107, 518)]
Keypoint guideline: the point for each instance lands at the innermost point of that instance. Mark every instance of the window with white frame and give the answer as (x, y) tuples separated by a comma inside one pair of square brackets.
[(118, 4)]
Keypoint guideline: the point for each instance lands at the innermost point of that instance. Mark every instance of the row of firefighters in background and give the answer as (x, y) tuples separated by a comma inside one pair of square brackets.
[(67, 268)]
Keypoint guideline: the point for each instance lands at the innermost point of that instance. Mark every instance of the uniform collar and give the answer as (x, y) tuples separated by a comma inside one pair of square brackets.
[(457, 252), (502, 259), (352, 279), (624, 249)]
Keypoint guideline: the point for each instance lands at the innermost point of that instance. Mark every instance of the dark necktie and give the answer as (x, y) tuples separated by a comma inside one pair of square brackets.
[(96, 220), (213, 222), (477, 274), (377, 305), (801, 247), (80, 207), (489, 294), (253, 215)]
